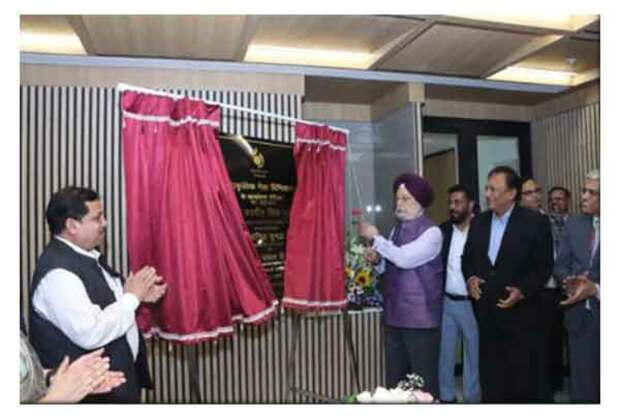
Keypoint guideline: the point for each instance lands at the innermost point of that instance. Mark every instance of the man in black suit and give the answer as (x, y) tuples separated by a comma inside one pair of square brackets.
[(507, 258), (578, 267)]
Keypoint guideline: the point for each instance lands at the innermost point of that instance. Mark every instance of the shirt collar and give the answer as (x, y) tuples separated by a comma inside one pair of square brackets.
[(503, 219), (456, 229), (92, 254)]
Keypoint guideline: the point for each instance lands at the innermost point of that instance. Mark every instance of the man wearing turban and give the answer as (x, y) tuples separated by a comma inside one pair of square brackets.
[(412, 283)]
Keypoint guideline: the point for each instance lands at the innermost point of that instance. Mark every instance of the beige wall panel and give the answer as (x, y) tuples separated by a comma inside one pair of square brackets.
[(578, 98), (396, 98), (328, 111), (51, 75), (476, 110), (565, 147)]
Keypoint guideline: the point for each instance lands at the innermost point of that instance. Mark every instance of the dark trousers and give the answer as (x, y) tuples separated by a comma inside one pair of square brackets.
[(584, 349), (546, 346), (505, 368), (412, 350)]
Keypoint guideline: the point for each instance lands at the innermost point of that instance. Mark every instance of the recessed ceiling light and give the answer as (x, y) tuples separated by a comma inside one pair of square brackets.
[(53, 43), (538, 76), (540, 20), (308, 56)]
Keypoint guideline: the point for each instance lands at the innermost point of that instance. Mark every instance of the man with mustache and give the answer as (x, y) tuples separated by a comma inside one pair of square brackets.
[(578, 267), (507, 259), (458, 315), (412, 283), (78, 303)]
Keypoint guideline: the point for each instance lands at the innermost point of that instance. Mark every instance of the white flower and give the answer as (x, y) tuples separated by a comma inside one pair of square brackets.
[(357, 249), (394, 395), (422, 397), (364, 397)]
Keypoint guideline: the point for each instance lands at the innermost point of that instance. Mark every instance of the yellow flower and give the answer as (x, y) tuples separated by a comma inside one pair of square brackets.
[(348, 272), (363, 278)]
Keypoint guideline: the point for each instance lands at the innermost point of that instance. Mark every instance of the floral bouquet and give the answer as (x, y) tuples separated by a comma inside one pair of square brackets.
[(361, 281), (406, 392)]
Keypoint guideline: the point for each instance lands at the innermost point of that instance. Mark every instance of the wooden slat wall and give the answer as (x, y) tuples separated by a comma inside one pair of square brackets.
[(565, 147), (71, 135)]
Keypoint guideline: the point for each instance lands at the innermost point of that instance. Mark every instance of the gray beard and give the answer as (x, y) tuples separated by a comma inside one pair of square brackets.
[(401, 217)]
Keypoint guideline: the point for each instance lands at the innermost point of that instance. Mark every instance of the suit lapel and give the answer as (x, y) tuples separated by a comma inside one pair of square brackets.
[(486, 234), (583, 237)]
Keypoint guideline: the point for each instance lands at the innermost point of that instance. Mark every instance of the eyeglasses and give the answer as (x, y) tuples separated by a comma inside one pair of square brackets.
[(589, 190), (529, 192)]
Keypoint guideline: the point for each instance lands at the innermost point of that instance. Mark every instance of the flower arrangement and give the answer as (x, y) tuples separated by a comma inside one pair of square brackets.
[(361, 281), (406, 392)]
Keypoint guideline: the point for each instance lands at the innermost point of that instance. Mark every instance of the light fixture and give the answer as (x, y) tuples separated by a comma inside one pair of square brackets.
[(54, 43), (308, 56), (539, 20), (378, 208), (368, 209), (532, 75)]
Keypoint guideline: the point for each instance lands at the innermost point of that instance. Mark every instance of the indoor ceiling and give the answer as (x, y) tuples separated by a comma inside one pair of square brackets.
[(556, 50)]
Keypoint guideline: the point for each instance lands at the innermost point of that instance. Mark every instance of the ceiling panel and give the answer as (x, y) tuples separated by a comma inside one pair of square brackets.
[(455, 50), (355, 33), (206, 37)]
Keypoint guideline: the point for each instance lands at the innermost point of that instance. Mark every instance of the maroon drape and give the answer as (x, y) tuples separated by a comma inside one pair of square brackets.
[(314, 267), (183, 218)]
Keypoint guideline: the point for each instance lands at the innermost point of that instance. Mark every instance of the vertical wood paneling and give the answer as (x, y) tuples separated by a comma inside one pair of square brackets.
[(565, 147), (71, 135)]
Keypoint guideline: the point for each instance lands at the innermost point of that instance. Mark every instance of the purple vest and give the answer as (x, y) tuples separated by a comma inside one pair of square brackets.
[(413, 298)]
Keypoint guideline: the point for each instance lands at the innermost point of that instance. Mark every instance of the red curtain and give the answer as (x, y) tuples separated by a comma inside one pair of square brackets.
[(314, 267), (183, 218)]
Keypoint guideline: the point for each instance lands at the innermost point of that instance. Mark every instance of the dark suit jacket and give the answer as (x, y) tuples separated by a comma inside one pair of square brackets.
[(446, 231), (574, 257), (524, 260)]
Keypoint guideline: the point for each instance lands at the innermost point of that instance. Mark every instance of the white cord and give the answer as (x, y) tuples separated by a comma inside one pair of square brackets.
[(123, 87)]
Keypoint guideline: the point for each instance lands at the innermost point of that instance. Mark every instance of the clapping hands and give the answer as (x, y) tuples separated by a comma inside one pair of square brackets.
[(89, 374), (577, 289), (146, 285)]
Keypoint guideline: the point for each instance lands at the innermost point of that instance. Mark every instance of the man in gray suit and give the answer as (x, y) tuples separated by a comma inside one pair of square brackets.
[(578, 267)]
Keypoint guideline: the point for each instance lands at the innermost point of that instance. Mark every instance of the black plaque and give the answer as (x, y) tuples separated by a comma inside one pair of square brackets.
[(264, 182)]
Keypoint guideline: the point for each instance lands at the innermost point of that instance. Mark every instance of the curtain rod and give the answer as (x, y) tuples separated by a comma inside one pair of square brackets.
[(124, 86)]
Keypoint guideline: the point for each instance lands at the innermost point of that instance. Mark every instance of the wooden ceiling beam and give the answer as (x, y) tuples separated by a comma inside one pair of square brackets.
[(392, 48)]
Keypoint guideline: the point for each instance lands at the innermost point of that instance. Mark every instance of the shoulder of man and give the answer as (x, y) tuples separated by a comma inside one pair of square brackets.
[(446, 227), (479, 219)]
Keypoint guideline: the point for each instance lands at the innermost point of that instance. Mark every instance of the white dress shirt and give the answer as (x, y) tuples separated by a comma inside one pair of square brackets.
[(455, 282), (498, 227), (414, 254), (61, 298)]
